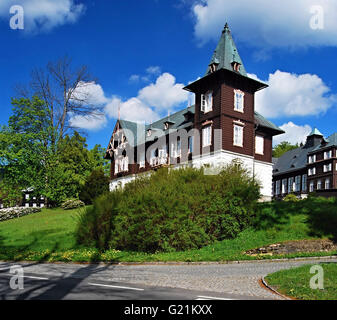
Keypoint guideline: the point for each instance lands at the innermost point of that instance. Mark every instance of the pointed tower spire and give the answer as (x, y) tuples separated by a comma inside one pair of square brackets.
[(226, 55), (315, 132)]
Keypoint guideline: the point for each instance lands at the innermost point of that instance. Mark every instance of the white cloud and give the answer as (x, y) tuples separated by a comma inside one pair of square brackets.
[(293, 133), (134, 78), (293, 95), (153, 70), (150, 104), (88, 122), (132, 110), (44, 15), (164, 94), (91, 92), (265, 23)]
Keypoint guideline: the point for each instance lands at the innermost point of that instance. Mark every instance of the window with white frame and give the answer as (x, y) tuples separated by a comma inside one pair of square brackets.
[(142, 160), (319, 184), (162, 153), (311, 186), (327, 167), (190, 144), (153, 156), (178, 151), (259, 145), (290, 184), (327, 184), (297, 183), (304, 182), (328, 154), (278, 187), (238, 136), (207, 101), (312, 171), (284, 186), (207, 136), (312, 158), (239, 100), (125, 164)]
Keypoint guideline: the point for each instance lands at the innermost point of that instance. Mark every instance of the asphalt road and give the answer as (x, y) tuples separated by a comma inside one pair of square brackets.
[(142, 282), (42, 287)]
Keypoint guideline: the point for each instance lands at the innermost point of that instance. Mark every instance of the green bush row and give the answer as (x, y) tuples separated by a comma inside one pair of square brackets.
[(171, 210)]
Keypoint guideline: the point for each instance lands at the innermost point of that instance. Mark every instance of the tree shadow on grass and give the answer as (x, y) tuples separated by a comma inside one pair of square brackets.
[(275, 214), (321, 216), (17, 252)]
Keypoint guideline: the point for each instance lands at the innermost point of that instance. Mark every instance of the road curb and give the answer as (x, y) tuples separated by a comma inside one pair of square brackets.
[(182, 263), (269, 288), (225, 262)]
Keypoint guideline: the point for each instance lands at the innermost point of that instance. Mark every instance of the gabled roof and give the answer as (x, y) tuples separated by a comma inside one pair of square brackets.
[(263, 122), (296, 159), (226, 53), (131, 131), (332, 140), (178, 121), (292, 160)]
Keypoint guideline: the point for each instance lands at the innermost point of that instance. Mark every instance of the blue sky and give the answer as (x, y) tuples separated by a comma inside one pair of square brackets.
[(143, 52)]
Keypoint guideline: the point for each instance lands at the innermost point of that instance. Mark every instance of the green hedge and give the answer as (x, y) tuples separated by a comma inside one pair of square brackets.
[(172, 210)]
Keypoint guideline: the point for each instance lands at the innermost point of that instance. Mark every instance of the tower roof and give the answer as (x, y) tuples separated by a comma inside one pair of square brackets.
[(226, 54), (315, 132)]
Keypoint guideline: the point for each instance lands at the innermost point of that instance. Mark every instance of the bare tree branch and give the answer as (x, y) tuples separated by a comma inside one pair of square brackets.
[(63, 88)]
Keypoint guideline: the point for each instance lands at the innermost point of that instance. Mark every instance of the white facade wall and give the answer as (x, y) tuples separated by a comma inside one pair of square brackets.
[(263, 171)]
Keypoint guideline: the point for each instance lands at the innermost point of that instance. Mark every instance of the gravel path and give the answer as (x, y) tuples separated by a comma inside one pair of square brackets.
[(235, 278)]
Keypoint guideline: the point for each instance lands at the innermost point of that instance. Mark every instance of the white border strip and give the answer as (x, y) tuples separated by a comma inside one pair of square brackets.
[(116, 287), (211, 298)]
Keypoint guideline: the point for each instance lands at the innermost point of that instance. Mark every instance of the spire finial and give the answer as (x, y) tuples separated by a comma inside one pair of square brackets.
[(226, 28)]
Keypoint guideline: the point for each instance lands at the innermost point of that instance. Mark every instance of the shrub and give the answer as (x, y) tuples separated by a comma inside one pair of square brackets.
[(96, 222), (95, 185), (72, 204), (172, 210), (291, 198), (16, 212)]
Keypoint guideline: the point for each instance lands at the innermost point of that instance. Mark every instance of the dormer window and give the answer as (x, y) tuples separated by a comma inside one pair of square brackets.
[(207, 102), (167, 124), (236, 66), (239, 100), (213, 67)]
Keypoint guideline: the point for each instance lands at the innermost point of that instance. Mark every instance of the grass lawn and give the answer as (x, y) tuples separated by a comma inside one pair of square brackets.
[(49, 236), (295, 282)]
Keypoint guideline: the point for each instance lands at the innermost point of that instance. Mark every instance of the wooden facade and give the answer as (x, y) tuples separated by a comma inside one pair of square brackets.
[(317, 173), (232, 107)]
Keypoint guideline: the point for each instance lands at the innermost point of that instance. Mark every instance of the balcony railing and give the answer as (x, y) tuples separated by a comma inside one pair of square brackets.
[(159, 161)]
